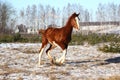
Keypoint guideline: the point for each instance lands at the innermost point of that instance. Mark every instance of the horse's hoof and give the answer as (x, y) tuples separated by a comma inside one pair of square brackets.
[(53, 61), (58, 63), (39, 65)]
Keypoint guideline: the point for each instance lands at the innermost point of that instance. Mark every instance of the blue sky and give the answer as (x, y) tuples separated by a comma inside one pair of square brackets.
[(87, 4)]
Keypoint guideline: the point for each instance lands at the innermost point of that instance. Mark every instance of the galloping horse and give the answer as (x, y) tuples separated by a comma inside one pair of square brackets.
[(58, 37)]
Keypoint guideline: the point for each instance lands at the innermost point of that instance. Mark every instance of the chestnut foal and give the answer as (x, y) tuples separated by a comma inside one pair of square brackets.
[(58, 37)]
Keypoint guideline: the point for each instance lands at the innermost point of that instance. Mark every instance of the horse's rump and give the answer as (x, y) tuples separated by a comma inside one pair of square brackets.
[(41, 31)]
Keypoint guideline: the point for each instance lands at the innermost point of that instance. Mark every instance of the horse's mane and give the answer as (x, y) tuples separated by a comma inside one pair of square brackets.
[(71, 17)]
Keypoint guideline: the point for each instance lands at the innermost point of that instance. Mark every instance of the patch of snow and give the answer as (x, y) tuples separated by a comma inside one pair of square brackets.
[(82, 62)]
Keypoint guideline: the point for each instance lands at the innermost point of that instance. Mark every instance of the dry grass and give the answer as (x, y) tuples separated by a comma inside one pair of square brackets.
[(111, 78), (27, 50), (30, 50), (20, 78), (7, 70), (53, 72), (1, 55)]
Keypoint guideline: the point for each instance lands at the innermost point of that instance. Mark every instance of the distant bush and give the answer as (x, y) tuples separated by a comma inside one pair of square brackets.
[(77, 39), (112, 47), (94, 38), (19, 38), (6, 38)]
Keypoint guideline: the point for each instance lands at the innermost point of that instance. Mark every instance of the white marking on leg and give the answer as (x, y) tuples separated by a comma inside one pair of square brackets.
[(62, 59), (40, 54), (77, 21), (56, 44), (50, 57)]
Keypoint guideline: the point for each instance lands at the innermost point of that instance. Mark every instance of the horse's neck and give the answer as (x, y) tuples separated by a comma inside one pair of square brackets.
[(68, 28)]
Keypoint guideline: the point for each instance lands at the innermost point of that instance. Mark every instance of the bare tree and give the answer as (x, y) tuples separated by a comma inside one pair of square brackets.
[(42, 16), (91, 16), (5, 12), (118, 13), (48, 14), (87, 16), (58, 17), (53, 14), (34, 15), (4, 17), (100, 13), (68, 9), (27, 16), (63, 16), (80, 9), (22, 16), (113, 11), (0, 15)]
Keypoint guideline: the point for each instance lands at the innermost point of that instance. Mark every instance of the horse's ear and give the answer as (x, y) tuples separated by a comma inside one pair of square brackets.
[(78, 14)]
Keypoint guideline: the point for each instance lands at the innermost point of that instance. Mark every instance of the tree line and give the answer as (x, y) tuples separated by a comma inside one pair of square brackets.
[(40, 16)]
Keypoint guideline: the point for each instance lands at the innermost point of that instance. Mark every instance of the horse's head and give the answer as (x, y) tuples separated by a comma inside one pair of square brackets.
[(75, 21)]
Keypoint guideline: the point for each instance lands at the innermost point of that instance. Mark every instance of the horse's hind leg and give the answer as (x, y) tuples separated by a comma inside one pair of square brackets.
[(40, 54), (48, 52), (44, 43)]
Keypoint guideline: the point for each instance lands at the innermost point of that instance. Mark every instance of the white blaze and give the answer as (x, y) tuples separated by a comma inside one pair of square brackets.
[(77, 21)]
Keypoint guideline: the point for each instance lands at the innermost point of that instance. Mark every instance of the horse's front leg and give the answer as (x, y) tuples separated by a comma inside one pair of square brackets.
[(62, 58), (48, 52)]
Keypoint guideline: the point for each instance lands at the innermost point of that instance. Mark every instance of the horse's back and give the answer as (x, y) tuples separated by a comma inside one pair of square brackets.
[(54, 34), (53, 30)]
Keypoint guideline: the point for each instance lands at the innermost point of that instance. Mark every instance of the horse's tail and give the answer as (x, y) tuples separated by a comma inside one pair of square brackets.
[(41, 31)]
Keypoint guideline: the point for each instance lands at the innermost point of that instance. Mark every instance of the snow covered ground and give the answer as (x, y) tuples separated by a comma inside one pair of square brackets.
[(19, 61), (114, 30), (103, 29)]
